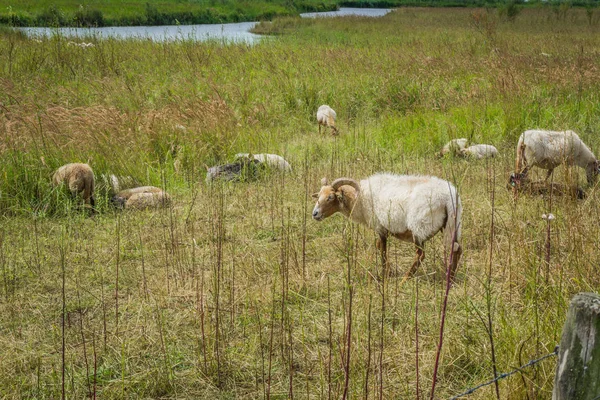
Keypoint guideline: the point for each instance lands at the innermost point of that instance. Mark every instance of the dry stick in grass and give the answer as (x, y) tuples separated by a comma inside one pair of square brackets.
[(118, 234), (95, 363), (271, 334), (144, 282), (220, 231), (262, 353), (64, 311), (85, 358), (349, 323), (381, 327), (368, 366), (418, 395), (304, 215), (330, 340), (444, 306), (490, 329)]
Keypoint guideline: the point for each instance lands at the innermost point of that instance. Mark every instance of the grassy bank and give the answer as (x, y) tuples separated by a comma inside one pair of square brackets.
[(235, 292)]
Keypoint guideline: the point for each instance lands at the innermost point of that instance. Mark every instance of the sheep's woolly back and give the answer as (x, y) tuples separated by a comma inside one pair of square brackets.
[(140, 201), (480, 151), (78, 177), (398, 203), (326, 116), (272, 160), (549, 149)]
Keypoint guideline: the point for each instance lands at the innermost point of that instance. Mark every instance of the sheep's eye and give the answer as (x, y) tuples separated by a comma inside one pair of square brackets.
[(330, 197)]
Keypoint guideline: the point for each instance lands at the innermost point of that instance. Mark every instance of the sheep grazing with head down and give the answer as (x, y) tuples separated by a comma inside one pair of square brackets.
[(244, 168), (479, 151), (274, 161), (326, 117), (141, 198), (79, 178), (409, 207), (549, 149), (454, 147), (544, 188)]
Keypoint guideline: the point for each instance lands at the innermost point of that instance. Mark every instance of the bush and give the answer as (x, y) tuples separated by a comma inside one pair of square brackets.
[(51, 16), (509, 10), (88, 17)]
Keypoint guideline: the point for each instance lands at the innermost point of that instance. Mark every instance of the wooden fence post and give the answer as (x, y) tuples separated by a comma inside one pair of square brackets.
[(578, 370)]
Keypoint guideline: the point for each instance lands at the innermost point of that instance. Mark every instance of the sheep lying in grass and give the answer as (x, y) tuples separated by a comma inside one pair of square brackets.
[(141, 198), (544, 188), (409, 207), (454, 147), (549, 149), (479, 151), (244, 168), (326, 117), (272, 160), (79, 178)]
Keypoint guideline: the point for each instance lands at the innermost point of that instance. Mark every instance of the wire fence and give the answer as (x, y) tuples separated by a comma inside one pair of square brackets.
[(507, 374)]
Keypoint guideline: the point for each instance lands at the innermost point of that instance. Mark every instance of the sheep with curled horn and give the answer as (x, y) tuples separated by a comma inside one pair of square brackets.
[(326, 117), (141, 198), (79, 178), (411, 208)]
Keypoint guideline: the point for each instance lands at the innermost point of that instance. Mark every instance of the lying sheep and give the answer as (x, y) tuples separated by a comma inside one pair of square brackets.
[(272, 160), (479, 151), (243, 168), (549, 149), (408, 207), (515, 182), (141, 198), (326, 117), (454, 147), (80, 179)]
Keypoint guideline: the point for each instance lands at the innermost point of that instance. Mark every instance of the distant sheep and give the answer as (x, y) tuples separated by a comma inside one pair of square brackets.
[(409, 207), (79, 178), (243, 168), (141, 198), (454, 147), (479, 151), (272, 160), (326, 117), (549, 149)]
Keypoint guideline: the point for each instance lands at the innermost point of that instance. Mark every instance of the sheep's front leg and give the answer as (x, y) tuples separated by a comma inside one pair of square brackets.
[(319, 128), (417, 263), (456, 253), (382, 246)]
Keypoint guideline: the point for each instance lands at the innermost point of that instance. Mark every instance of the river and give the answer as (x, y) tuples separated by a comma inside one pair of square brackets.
[(236, 32)]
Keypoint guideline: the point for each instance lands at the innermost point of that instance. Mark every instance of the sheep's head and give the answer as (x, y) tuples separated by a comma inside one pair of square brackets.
[(591, 171), (515, 180), (330, 198)]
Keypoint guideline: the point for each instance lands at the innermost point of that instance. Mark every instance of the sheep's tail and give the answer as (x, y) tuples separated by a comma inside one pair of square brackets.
[(520, 154)]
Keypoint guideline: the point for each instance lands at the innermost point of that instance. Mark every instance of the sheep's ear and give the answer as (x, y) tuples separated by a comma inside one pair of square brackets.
[(323, 181), (315, 196)]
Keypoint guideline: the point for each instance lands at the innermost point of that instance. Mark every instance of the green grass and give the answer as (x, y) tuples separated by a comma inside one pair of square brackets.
[(230, 292)]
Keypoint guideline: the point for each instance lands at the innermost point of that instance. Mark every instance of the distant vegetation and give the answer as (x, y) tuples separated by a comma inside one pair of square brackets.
[(170, 12)]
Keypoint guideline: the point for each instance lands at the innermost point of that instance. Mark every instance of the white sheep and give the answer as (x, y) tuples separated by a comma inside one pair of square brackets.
[(454, 147), (479, 151), (549, 149), (272, 160), (79, 178), (141, 198), (411, 208), (326, 117)]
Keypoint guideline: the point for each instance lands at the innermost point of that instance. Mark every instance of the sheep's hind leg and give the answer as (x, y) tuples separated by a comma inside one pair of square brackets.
[(382, 246), (416, 264), (456, 253)]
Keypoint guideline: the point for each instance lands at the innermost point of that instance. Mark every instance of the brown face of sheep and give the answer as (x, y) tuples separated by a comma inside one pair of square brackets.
[(591, 172), (328, 202), (515, 180)]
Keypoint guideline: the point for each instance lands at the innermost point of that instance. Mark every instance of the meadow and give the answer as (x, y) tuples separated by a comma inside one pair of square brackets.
[(235, 292)]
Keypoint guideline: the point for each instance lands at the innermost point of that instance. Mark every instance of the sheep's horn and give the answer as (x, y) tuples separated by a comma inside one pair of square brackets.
[(345, 181)]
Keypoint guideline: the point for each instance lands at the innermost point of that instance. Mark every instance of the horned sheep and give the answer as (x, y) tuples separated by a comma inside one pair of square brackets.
[(272, 160), (79, 178), (411, 208), (326, 117), (141, 198), (549, 149)]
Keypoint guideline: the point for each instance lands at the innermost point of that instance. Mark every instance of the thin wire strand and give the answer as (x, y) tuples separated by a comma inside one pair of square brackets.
[(507, 374)]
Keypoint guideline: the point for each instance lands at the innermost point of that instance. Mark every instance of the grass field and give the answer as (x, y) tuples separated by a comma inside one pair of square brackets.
[(235, 292)]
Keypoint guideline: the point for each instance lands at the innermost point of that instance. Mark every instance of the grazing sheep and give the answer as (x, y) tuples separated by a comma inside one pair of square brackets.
[(549, 149), (409, 207), (141, 198), (326, 117), (79, 178), (454, 147), (243, 168), (272, 160), (479, 151), (543, 188)]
